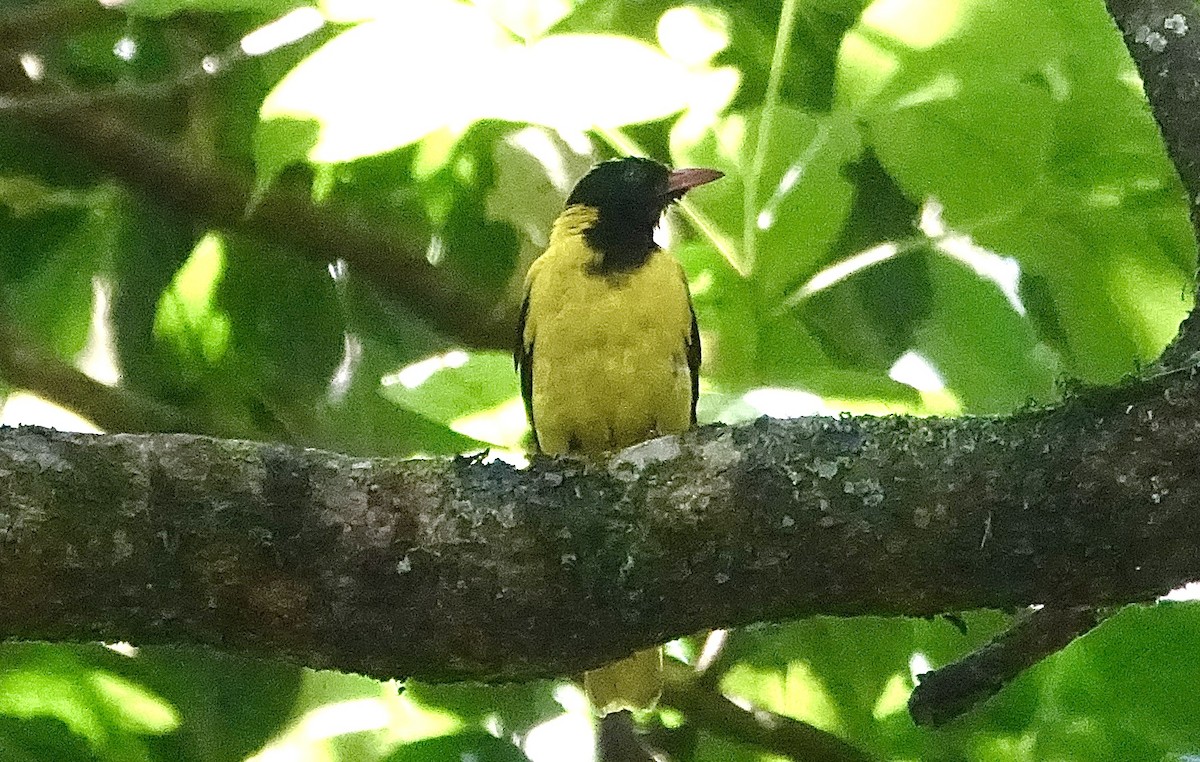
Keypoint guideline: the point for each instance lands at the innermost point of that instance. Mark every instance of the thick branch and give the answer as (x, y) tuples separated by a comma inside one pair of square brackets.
[(451, 570)]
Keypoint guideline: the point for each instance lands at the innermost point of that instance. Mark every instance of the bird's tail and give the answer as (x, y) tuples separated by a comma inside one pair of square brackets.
[(635, 682)]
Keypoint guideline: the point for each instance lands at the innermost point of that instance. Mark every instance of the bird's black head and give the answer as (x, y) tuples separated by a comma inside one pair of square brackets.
[(630, 196)]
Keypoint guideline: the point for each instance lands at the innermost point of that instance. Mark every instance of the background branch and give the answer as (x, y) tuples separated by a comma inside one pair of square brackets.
[(946, 693), (704, 706), (27, 365), (223, 198)]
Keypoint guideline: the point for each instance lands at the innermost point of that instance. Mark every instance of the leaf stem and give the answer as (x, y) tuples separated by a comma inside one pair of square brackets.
[(783, 40)]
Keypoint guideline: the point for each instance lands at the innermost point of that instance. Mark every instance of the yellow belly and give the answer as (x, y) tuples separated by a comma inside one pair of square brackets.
[(609, 351)]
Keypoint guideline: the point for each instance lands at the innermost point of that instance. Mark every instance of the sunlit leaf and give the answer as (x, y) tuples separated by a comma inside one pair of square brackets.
[(187, 313), (442, 65), (1066, 170), (587, 81), (458, 389), (386, 83)]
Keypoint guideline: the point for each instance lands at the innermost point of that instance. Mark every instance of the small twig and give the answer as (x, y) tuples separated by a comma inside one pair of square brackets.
[(773, 732), (955, 689)]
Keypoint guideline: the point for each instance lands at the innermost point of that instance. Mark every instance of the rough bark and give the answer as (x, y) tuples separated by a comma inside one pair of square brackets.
[(460, 569)]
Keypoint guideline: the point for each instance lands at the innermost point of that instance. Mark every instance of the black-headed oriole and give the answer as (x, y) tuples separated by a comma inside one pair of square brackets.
[(607, 345)]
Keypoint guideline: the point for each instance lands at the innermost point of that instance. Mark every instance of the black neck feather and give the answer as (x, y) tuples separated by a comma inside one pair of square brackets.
[(622, 246)]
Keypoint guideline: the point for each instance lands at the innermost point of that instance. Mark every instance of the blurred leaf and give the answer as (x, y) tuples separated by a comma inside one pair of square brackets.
[(985, 351), (36, 739), (278, 143), (228, 706), (356, 418), (574, 82), (514, 708), (286, 331), (840, 674), (187, 316), (599, 81), (451, 387), (26, 152), (383, 84), (713, 748), (1067, 172), (113, 715), (1125, 688), (528, 19), (148, 249), (339, 716), (62, 242), (782, 211)]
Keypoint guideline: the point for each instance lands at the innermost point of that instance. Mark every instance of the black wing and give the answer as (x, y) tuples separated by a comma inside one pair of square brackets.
[(693, 360), (523, 363)]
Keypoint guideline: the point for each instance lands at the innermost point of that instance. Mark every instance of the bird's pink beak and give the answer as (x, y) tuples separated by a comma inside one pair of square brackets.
[(681, 181)]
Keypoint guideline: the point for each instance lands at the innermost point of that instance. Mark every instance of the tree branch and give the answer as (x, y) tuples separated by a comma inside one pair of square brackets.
[(946, 693), (460, 570), (26, 365), (223, 198), (31, 22), (704, 706)]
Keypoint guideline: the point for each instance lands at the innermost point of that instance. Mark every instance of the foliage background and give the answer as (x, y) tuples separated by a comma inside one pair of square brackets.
[(931, 207)]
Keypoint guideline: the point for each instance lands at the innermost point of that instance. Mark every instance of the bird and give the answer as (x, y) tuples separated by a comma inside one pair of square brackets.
[(608, 347)]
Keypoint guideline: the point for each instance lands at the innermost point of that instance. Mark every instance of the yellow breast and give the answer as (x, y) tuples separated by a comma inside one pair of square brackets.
[(609, 357)]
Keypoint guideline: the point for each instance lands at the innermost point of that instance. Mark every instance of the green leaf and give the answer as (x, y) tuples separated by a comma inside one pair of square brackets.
[(228, 706), (112, 714), (514, 708), (383, 84), (286, 330), (476, 394), (600, 81), (61, 241), (780, 217), (187, 315), (1040, 151), (987, 353), (148, 249), (849, 676)]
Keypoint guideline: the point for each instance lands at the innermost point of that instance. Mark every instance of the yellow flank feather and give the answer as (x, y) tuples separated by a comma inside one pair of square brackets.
[(610, 362)]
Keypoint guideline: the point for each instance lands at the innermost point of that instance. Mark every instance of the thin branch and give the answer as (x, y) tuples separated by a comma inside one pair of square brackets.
[(775, 733), (955, 689)]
